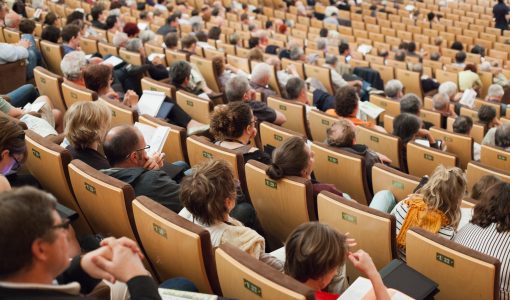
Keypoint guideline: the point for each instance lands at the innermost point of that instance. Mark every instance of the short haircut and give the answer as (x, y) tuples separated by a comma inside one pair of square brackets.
[(171, 40), (253, 42), (313, 250), (393, 87), (435, 56), (97, 77), (117, 147), (331, 59), (449, 88), (120, 39), (261, 72), (172, 18), (502, 136), (485, 66), (343, 47), (244, 17), (477, 49), (201, 36), (346, 101), (457, 46), (188, 41), (236, 87), (400, 55), (233, 39), (341, 134), (50, 18), (131, 29), (134, 45), (26, 214), (411, 47), (486, 114), (75, 15), (483, 185), (494, 208), (290, 159), (440, 101), (417, 68), (214, 33), (296, 52), (410, 103), (322, 43), (27, 26), (294, 87), (12, 136), (96, 11), (70, 31), (255, 54), (50, 33), (110, 21), (323, 32), (495, 90), (179, 71), (460, 57), (72, 64), (405, 126), (462, 124)]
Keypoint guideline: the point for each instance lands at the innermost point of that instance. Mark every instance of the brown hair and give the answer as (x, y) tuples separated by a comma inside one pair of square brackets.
[(204, 192), (188, 41), (229, 121), (97, 76), (86, 122), (312, 250), (290, 159), (12, 136), (494, 207), (255, 54), (483, 185), (218, 65)]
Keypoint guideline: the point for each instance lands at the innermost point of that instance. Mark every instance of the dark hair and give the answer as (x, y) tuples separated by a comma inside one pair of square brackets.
[(342, 48), (290, 159), (50, 33), (410, 103), (477, 49), (229, 121), (110, 21), (411, 47), (244, 17), (294, 87), (75, 15), (27, 26), (457, 46), (120, 145), (346, 101), (201, 36), (462, 124), (486, 114), (50, 19), (323, 32), (431, 16), (179, 71), (172, 18), (12, 136), (313, 250), (460, 57), (400, 55), (171, 40), (70, 31), (405, 126), (214, 33), (483, 185), (96, 11), (253, 42), (494, 207), (26, 214), (269, 24), (194, 12), (188, 41), (403, 46), (97, 77)]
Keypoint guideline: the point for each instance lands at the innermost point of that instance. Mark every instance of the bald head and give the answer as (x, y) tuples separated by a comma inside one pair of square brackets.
[(120, 142)]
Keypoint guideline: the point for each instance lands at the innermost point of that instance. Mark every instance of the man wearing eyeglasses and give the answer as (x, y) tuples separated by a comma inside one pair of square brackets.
[(124, 147)]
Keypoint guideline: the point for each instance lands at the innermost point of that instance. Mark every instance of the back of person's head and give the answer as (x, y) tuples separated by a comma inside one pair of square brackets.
[(486, 114), (229, 121), (134, 45), (313, 250), (179, 71), (444, 192), (346, 101), (50, 18), (457, 46), (290, 159), (188, 41), (494, 207), (495, 90), (119, 143), (75, 15), (477, 49), (111, 21), (172, 18), (86, 122), (147, 36), (393, 88), (120, 39), (294, 87), (12, 137), (70, 31), (431, 16), (403, 46), (27, 26), (171, 40), (449, 88), (441, 102), (72, 65), (411, 47), (269, 24), (236, 87), (471, 67), (417, 68), (26, 215), (462, 124), (341, 134), (201, 36), (322, 43), (296, 52), (261, 73), (482, 186), (253, 42), (400, 55), (435, 56), (323, 32), (256, 54), (406, 126), (51, 33), (244, 17), (214, 33), (96, 11), (410, 103), (331, 60), (233, 39), (97, 77), (204, 193), (460, 57), (131, 29), (343, 47), (502, 136)]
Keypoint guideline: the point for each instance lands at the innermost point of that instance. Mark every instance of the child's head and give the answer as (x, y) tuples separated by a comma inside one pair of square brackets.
[(27, 26), (483, 186)]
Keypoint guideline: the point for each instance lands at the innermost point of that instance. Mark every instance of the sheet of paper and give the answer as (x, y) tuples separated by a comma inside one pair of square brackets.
[(150, 102), (357, 290), (154, 54), (363, 48), (468, 98), (33, 107), (465, 216), (38, 125), (370, 109), (142, 26), (37, 13), (168, 294), (147, 131), (422, 142), (155, 137), (113, 60)]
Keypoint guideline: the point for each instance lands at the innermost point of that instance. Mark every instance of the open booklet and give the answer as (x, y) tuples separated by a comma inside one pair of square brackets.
[(150, 102), (468, 98), (369, 109), (113, 60), (38, 125), (361, 289), (168, 294), (33, 107), (155, 137)]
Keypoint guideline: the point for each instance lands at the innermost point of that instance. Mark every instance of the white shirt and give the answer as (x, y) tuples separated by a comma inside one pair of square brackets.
[(11, 53)]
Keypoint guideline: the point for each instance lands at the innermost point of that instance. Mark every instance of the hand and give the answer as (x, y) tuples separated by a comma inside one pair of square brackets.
[(130, 98), (95, 60), (123, 265), (423, 133), (351, 242), (363, 263), (90, 267), (24, 43), (384, 158), (155, 162), (124, 241)]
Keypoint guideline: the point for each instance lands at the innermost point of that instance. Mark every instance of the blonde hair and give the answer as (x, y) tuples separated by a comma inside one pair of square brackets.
[(86, 122), (444, 191)]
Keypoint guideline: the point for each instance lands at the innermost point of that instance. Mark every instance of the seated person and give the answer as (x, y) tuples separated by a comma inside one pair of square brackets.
[(463, 125), (131, 29), (443, 106), (394, 89), (260, 76), (450, 89), (225, 71), (209, 196), (483, 185), (27, 27), (494, 95), (337, 79), (469, 79), (428, 84), (13, 52), (71, 38), (99, 15), (233, 127), (50, 33), (24, 94), (125, 146), (238, 89), (171, 40), (487, 117), (502, 136), (296, 90), (460, 59), (13, 150), (411, 104), (186, 77)]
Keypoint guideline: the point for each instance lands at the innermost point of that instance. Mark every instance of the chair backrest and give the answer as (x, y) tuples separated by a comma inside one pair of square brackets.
[(477, 132), (205, 67), (11, 36), (384, 143), (121, 114), (422, 160), (172, 56), (166, 236), (398, 183), (175, 143), (319, 122), (388, 123), (495, 157), (411, 80), (461, 273), (322, 74), (281, 205), (134, 58), (459, 144), (444, 76), (52, 54), (158, 86), (294, 111), (239, 62), (476, 170), (433, 117), (274, 135), (244, 277), (330, 166), (17, 75), (105, 49), (391, 107), (49, 84), (472, 113), (298, 64), (73, 93), (496, 106), (387, 72), (89, 46), (198, 108), (373, 230), (47, 162)]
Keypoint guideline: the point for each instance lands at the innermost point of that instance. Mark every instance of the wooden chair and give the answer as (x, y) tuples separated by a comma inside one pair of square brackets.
[(49, 84), (274, 136), (322, 74), (476, 170), (172, 56), (459, 144), (391, 107), (294, 111), (398, 183), (191, 257), (496, 106), (430, 116), (11, 36), (47, 162), (423, 160), (298, 64), (149, 84), (461, 273), (198, 108), (53, 55), (281, 205), (477, 132), (373, 230), (330, 166), (121, 114), (411, 80), (244, 277), (205, 67), (73, 93), (444, 76), (495, 157), (388, 123), (105, 49), (319, 122), (387, 72), (134, 58), (175, 143), (89, 46), (383, 143), (239, 62), (17, 74), (472, 113)]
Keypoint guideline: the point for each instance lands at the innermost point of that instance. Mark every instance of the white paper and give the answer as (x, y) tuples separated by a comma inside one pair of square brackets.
[(422, 142), (357, 290), (154, 55), (168, 294), (466, 214), (142, 26), (364, 48), (88, 56), (113, 60), (38, 125), (155, 137), (37, 13), (370, 109), (150, 102), (468, 98), (33, 107)]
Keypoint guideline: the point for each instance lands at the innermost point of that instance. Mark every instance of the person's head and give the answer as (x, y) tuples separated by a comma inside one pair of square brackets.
[(449, 88), (441, 102), (147, 36), (51, 33), (238, 88), (293, 158), (120, 39), (494, 208), (201, 36), (411, 47), (483, 185), (253, 42), (477, 49), (75, 15), (457, 46), (406, 126), (344, 49), (418, 68), (322, 43), (444, 191), (124, 147), (180, 72), (12, 20), (403, 46), (73, 64), (313, 254), (244, 18), (400, 55), (261, 74), (256, 54), (214, 33), (86, 123), (233, 39), (410, 103), (485, 66), (112, 22), (435, 56), (460, 57), (12, 145), (495, 92), (171, 40), (50, 19), (341, 134), (297, 53), (27, 26), (71, 35), (502, 136), (234, 120), (331, 60), (487, 115), (463, 125), (131, 29), (470, 67), (98, 78), (98, 13), (346, 101), (189, 43), (33, 236), (323, 32), (296, 90), (431, 16), (394, 89)]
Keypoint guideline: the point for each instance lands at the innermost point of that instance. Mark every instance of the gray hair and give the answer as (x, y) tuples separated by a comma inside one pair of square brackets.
[(147, 36), (495, 90), (485, 66), (417, 68), (296, 53), (322, 43), (449, 88), (236, 87), (134, 45), (294, 87), (233, 39), (12, 19), (410, 103), (502, 136), (435, 56), (393, 87), (331, 60), (441, 100), (119, 39), (260, 73), (72, 64)]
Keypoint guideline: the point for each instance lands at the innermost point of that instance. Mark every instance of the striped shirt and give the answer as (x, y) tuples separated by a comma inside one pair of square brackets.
[(493, 243)]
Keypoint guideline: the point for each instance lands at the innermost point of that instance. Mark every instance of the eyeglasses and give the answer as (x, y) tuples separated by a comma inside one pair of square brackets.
[(17, 164), (64, 225), (144, 148)]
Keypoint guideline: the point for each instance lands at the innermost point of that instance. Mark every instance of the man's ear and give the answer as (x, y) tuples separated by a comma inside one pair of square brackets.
[(39, 250)]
